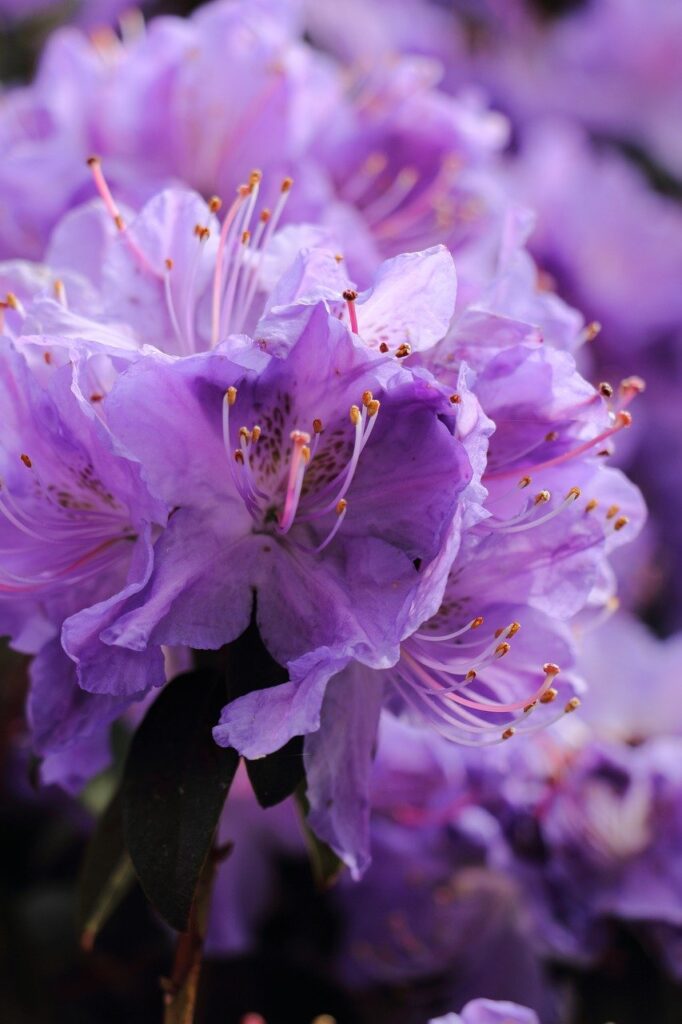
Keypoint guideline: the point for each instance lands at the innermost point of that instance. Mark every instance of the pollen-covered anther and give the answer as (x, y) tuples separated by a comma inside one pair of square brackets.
[(26, 461), (471, 675), (255, 178), (624, 418), (231, 395), (215, 204), (542, 497), (573, 494), (317, 426), (551, 435), (383, 348), (621, 522), (549, 695), (403, 350), (59, 292), (513, 630), (354, 415), (341, 506), (529, 707), (605, 389), (201, 232), (502, 649), (612, 511), (592, 330), (478, 621), (373, 408), (286, 185), (255, 433), (265, 215), (367, 397), (239, 456), (550, 669), (591, 505), (246, 237), (12, 301), (245, 434), (168, 263), (455, 399), (508, 733), (525, 481), (572, 705)]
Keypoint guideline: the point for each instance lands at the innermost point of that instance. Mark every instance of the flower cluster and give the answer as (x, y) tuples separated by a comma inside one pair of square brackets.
[(286, 351)]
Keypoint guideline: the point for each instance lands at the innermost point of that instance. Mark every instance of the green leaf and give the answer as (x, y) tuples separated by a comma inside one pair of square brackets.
[(106, 874), (275, 777), (175, 782), (325, 864), (250, 666)]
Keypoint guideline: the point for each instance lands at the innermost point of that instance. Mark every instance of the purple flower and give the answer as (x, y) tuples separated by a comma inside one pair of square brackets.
[(78, 527), (488, 1011), (153, 106)]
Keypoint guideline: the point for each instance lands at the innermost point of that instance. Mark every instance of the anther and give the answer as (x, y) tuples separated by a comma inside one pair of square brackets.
[(525, 481), (366, 398), (354, 415), (239, 456), (403, 350), (632, 385), (502, 649), (612, 511), (305, 453), (592, 330), (47, 358), (215, 204), (541, 497), (338, 257), (550, 669), (264, 215), (246, 237), (574, 493), (470, 676), (231, 394), (96, 397), (11, 300), (341, 506), (605, 389), (255, 178), (551, 435), (255, 433), (572, 705), (549, 695), (168, 263), (245, 434), (287, 184), (455, 399), (383, 348), (317, 426), (624, 418), (621, 522), (478, 621), (26, 461), (373, 408), (591, 505), (529, 707), (508, 733), (513, 630)]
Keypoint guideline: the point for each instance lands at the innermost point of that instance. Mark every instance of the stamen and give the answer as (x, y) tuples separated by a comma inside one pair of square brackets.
[(26, 461), (623, 419), (102, 187), (350, 296)]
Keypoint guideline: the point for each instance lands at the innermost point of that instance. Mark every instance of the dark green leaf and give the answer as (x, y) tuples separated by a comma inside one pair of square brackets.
[(175, 783), (325, 864), (276, 777), (106, 875)]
